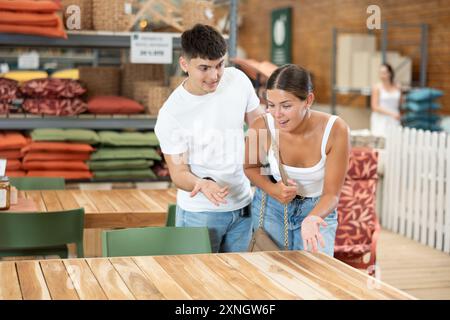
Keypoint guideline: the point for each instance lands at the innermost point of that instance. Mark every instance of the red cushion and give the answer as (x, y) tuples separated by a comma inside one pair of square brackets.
[(13, 165), (55, 32), (11, 140), (68, 175), (363, 164), (10, 154), (15, 173), (56, 165), (55, 156), (113, 105)]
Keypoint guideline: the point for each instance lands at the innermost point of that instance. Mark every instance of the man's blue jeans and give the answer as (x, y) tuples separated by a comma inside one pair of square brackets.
[(229, 231)]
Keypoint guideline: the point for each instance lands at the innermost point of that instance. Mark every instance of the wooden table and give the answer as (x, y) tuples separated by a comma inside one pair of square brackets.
[(268, 275), (104, 209), (109, 208)]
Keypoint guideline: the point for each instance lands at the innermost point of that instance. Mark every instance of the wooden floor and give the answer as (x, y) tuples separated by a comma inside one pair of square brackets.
[(419, 270)]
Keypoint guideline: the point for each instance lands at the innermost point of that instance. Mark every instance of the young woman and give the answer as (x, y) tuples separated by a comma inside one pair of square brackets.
[(314, 148), (385, 102)]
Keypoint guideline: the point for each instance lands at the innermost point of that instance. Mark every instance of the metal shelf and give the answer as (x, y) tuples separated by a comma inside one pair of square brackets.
[(116, 122), (80, 39)]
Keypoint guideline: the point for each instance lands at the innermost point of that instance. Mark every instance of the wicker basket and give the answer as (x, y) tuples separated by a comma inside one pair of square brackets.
[(132, 73), (142, 88), (175, 81), (111, 15), (85, 12), (156, 98), (197, 11), (101, 81)]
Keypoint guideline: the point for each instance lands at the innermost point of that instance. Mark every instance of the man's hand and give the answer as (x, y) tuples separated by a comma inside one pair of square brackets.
[(211, 190)]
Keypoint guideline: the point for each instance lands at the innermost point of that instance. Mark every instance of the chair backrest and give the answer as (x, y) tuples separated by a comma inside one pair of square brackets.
[(155, 241), (25, 230), (38, 183), (171, 215), (357, 218)]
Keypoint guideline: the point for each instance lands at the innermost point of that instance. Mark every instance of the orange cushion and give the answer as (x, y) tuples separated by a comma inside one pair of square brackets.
[(30, 19), (57, 146), (13, 165), (12, 140), (10, 154), (113, 105), (30, 5), (15, 173), (56, 165), (68, 175), (55, 156), (55, 32)]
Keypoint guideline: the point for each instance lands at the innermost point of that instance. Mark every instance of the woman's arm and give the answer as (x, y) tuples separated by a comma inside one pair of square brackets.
[(375, 104), (256, 146), (335, 169)]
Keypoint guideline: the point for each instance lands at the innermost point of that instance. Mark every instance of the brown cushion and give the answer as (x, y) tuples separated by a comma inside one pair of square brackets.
[(30, 5), (30, 19), (113, 105), (57, 146), (13, 164), (68, 175), (55, 32), (56, 165), (11, 140), (55, 156)]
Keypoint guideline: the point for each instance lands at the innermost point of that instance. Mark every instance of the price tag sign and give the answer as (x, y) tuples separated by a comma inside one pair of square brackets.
[(151, 47), (28, 60)]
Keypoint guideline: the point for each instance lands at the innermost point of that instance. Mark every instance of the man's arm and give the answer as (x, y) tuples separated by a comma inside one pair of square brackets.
[(184, 179), (252, 115)]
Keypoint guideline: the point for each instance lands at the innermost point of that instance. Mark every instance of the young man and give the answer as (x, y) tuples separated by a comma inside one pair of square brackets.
[(200, 130)]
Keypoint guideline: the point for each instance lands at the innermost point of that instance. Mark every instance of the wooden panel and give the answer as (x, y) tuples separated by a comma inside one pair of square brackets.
[(304, 288), (101, 200), (58, 281), (83, 201), (32, 282), (109, 279), (162, 280), (259, 278), (37, 198), (136, 280), (9, 282), (67, 200), (51, 201), (84, 281)]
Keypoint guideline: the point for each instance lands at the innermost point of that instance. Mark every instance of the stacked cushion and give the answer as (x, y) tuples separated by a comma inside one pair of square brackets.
[(57, 159), (53, 96), (31, 17), (10, 146), (125, 155), (420, 106), (67, 135)]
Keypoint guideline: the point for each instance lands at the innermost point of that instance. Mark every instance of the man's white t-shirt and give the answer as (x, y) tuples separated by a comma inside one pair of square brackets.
[(210, 129)]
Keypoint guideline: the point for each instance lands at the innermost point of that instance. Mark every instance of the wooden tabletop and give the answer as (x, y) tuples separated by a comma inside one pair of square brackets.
[(108, 208), (268, 275)]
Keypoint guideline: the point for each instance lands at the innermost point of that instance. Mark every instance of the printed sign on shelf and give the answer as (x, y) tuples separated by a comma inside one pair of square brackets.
[(151, 47)]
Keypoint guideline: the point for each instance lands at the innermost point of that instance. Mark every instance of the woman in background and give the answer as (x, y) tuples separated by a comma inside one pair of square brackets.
[(385, 102)]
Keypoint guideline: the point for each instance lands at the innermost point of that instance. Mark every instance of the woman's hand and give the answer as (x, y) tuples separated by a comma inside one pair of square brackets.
[(211, 190), (310, 232), (284, 193)]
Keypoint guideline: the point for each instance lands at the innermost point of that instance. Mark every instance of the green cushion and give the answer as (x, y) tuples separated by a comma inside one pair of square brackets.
[(128, 139), (69, 135), (120, 164), (125, 153), (124, 174), (421, 116)]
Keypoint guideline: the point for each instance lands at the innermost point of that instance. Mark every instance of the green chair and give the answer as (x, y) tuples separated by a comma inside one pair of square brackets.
[(36, 234), (38, 183), (155, 241), (171, 215)]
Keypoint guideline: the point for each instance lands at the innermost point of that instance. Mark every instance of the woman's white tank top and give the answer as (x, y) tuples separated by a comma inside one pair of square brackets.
[(309, 180)]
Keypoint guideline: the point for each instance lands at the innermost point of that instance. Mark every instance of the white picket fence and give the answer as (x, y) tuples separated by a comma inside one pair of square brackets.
[(416, 187)]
